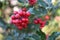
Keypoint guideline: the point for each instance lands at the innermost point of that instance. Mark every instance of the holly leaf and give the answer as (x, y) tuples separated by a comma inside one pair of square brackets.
[(54, 36), (23, 1), (41, 34), (39, 11), (42, 3), (36, 37)]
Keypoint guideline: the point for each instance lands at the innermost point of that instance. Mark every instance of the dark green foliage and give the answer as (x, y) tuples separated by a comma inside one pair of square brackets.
[(42, 35), (54, 36), (1, 4), (33, 32), (2, 23)]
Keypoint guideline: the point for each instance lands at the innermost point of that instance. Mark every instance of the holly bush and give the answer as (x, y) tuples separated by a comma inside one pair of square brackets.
[(28, 22)]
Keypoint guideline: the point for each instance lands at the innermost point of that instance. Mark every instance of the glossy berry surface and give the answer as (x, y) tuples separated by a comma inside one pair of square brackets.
[(32, 2), (21, 19), (47, 17), (15, 12), (24, 9), (40, 21), (35, 21)]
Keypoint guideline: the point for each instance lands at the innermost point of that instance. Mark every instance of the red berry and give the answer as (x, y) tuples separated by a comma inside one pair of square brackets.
[(20, 27), (13, 17), (14, 21), (17, 16), (41, 26), (20, 21), (23, 24), (35, 21), (32, 2), (24, 9), (21, 13), (47, 17), (39, 20), (17, 21), (27, 14), (26, 19), (43, 23), (23, 19), (15, 12)]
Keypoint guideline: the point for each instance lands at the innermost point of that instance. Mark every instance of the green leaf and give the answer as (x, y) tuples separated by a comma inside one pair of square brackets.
[(1, 4), (41, 34), (54, 36), (40, 11), (36, 37), (42, 3), (23, 1)]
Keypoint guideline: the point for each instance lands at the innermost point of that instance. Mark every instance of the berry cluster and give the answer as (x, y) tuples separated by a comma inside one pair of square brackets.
[(32, 2), (40, 21), (20, 19)]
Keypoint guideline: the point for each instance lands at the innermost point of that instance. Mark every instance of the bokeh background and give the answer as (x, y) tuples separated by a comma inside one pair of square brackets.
[(9, 32)]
